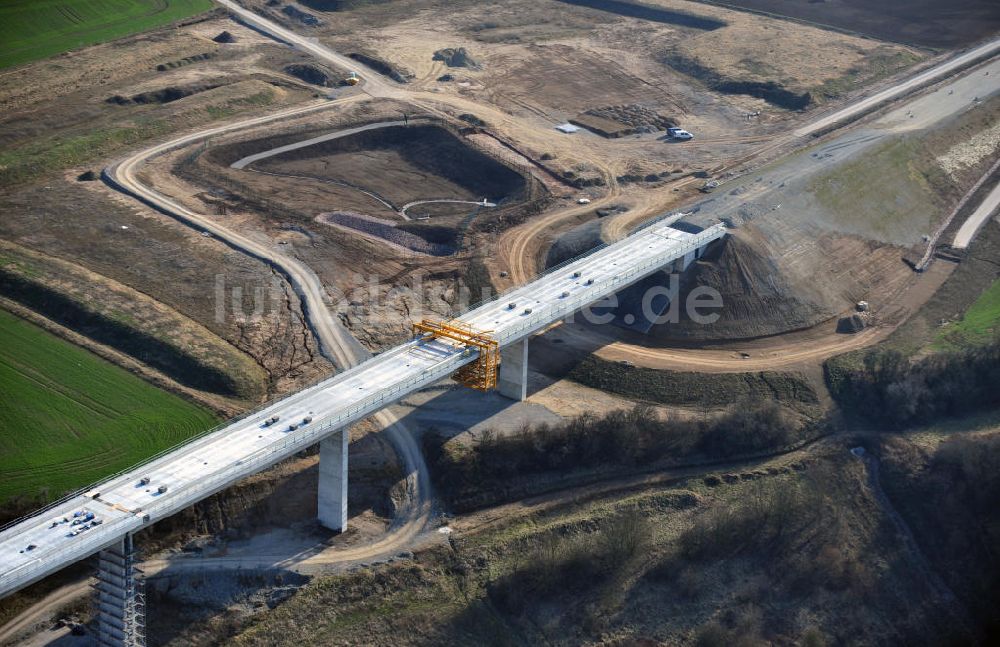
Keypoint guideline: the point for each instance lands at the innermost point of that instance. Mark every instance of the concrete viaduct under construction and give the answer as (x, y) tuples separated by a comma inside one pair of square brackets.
[(485, 348)]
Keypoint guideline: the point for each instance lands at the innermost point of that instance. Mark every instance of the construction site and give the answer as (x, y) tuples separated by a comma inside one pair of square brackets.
[(568, 322)]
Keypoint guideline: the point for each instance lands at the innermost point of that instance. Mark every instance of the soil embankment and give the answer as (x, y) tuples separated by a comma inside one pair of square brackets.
[(382, 67), (654, 14), (771, 91), (312, 74), (428, 149)]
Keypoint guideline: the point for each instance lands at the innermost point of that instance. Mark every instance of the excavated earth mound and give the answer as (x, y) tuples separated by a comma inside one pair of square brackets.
[(455, 57), (574, 242), (312, 74), (758, 298)]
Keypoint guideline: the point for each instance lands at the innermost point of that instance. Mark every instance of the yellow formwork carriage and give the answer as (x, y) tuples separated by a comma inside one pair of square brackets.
[(480, 375)]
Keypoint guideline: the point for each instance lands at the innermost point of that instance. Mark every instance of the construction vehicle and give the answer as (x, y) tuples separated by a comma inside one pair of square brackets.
[(352, 80)]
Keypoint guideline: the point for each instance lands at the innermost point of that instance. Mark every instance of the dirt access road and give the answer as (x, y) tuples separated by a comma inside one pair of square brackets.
[(48, 606), (412, 523), (978, 218)]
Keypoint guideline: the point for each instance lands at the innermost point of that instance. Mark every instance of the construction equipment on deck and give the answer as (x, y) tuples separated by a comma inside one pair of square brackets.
[(481, 374)]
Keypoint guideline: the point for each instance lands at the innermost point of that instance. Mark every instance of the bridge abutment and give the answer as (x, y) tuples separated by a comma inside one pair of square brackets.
[(332, 495), (512, 381), (120, 601)]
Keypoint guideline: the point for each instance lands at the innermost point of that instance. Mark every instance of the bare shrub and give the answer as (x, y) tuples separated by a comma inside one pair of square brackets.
[(625, 538), (745, 632), (571, 565), (813, 637), (764, 523)]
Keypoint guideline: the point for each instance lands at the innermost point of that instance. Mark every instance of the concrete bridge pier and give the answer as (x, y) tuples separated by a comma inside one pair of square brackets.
[(512, 380), (332, 495), (120, 604), (682, 263)]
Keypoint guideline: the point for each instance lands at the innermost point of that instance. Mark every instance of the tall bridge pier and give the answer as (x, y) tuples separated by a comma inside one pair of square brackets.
[(513, 379), (120, 604), (332, 492)]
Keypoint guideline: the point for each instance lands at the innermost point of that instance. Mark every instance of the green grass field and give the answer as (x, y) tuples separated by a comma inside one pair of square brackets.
[(977, 326), (69, 418), (35, 29)]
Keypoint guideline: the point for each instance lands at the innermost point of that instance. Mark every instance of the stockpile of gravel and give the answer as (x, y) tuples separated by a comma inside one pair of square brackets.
[(386, 230)]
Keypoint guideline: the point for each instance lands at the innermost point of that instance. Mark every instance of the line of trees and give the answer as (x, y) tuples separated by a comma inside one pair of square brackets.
[(890, 390), (624, 438)]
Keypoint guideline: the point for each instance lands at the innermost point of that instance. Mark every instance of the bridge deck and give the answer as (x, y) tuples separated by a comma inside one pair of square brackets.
[(244, 446)]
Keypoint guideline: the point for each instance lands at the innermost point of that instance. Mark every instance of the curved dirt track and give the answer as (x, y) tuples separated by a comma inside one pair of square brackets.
[(417, 203), (46, 606), (978, 218), (305, 143), (777, 356)]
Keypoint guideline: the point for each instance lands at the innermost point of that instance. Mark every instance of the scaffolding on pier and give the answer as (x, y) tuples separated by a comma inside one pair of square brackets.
[(481, 374), (120, 604)]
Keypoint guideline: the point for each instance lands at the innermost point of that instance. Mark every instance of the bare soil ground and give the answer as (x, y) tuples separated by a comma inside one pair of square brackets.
[(542, 62), (52, 121), (799, 241), (553, 59), (598, 45), (977, 271), (271, 513), (403, 164), (198, 277)]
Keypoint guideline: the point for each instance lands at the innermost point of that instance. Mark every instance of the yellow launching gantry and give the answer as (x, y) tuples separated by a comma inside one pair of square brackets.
[(480, 374)]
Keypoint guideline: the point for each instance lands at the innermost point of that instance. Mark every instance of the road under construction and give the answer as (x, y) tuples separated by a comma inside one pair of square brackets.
[(485, 348)]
